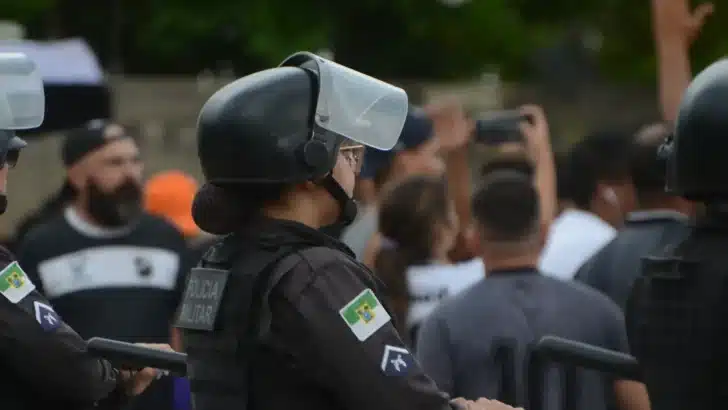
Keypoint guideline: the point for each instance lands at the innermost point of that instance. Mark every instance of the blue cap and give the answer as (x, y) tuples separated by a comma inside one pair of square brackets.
[(416, 131)]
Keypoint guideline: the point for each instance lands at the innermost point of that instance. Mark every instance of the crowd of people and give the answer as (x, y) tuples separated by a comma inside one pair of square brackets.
[(542, 243), (534, 260), (547, 244), (543, 246)]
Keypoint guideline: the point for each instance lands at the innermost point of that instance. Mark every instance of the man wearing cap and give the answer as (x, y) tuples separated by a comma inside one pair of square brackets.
[(110, 269), (44, 363)]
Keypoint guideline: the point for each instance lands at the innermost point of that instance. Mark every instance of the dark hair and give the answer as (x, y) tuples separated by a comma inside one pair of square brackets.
[(600, 157), (649, 170), (222, 209), (382, 175), (563, 184), (408, 216), (506, 206)]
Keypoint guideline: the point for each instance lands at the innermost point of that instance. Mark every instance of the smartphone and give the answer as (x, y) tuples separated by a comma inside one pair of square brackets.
[(500, 127)]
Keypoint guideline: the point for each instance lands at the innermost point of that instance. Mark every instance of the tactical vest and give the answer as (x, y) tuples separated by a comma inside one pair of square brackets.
[(219, 356), (677, 323)]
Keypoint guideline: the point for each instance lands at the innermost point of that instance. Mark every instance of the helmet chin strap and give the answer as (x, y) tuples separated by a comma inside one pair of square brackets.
[(347, 205)]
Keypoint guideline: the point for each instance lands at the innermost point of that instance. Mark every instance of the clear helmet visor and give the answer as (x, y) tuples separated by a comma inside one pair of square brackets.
[(353, 105), (22, 100)]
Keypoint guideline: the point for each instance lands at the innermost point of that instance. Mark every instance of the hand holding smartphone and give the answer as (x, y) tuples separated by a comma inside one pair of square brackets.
[(500, 127)]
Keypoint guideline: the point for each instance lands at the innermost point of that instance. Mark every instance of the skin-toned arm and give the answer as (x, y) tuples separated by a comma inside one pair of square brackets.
[(538, 145), (674, 29), (453, 130), (631, 395)]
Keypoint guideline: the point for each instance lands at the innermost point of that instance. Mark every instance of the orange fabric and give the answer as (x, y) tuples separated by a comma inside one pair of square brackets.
[(169, 195)]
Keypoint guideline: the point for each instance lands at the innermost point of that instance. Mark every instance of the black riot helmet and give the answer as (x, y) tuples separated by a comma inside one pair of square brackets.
[(696, 153), (286, 124), (22, 106)]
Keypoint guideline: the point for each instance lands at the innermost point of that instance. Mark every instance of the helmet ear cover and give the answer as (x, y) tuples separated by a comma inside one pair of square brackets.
[(319, 153), (317, 157)]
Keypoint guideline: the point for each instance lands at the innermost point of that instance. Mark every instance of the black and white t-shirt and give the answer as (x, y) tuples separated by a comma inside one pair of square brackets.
[(123, 284)]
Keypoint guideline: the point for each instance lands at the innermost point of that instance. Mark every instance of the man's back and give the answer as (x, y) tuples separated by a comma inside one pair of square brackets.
[(613, 270), (458, 342)]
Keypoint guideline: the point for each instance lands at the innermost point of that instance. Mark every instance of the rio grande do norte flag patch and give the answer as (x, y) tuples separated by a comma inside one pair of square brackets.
[(14, 283), (364, 315)]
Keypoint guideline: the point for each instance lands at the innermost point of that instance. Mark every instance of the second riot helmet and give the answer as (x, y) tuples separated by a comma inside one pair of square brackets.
[(696, 152), (22, 106)]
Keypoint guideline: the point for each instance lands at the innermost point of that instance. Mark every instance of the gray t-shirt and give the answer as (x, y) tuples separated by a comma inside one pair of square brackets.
[(457, 342), (615, 267)]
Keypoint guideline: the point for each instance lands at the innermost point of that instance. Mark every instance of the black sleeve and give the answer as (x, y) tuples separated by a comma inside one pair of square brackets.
[(350, 344), (53, 359)]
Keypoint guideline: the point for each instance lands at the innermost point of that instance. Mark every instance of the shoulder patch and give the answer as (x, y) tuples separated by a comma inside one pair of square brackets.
[(396, 361), (14, 283), (46, 316), (364, 315)]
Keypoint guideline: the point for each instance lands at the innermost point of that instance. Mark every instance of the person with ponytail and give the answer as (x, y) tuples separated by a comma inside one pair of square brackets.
[(422, 230), (419, 227), (279, 314)]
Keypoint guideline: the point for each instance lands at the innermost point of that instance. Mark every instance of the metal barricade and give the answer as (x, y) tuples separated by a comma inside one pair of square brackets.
[(505, 359), (572, 355)]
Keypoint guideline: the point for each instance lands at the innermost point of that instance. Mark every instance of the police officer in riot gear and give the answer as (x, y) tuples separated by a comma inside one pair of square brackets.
[(43, 362), (279, 315), (676, 314)]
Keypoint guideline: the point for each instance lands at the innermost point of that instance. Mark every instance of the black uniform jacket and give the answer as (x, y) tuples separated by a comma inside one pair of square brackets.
[(676, 319), (43, 362), (331, 341)]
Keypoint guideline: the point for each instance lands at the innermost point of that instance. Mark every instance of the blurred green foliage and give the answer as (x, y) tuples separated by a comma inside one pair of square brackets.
[(390, 38)]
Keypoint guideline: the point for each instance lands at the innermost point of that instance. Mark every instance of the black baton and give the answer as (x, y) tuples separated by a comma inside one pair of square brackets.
[(133, 357)]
